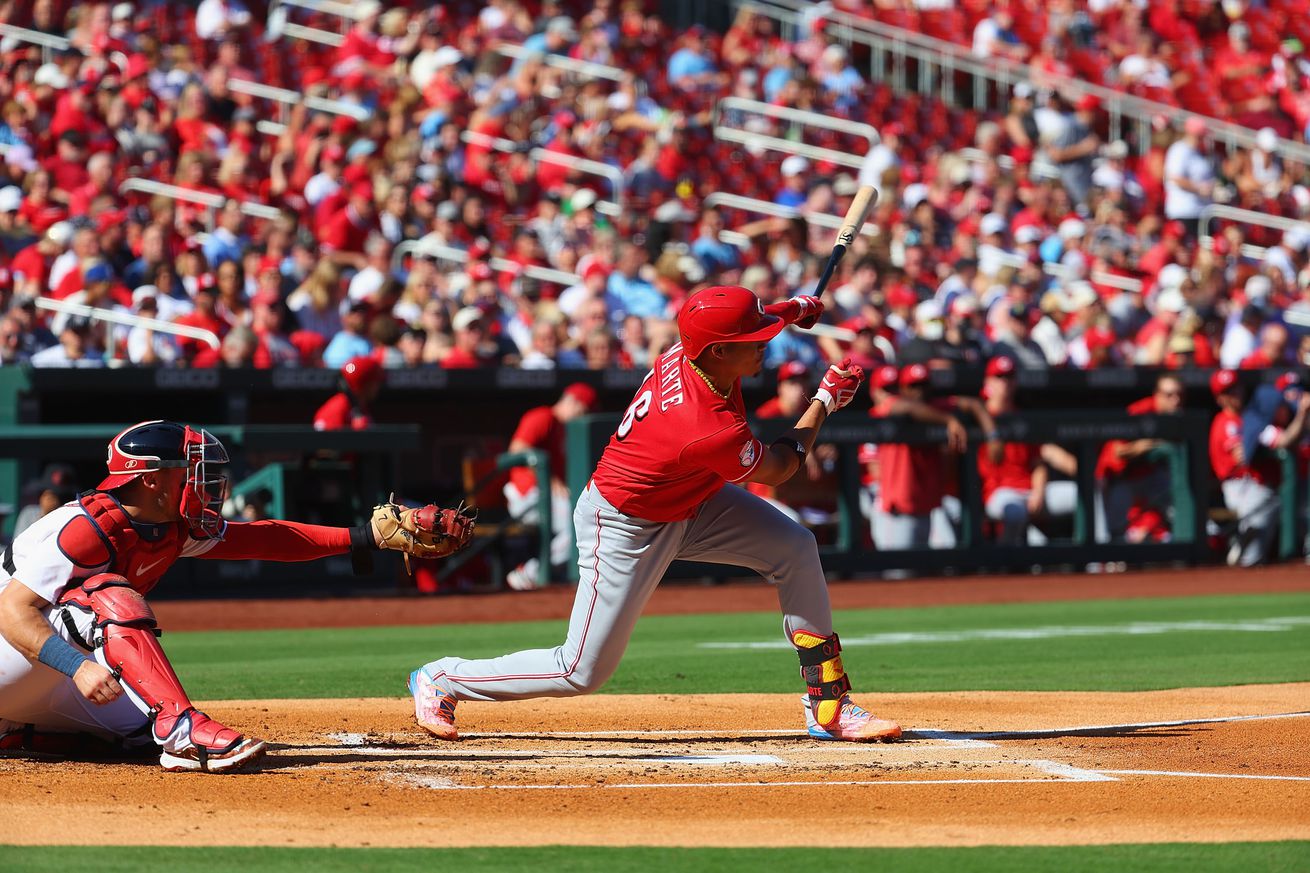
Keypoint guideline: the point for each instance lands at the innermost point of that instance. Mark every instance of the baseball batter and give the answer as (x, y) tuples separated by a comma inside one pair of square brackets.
[(79, 654), (668, 487)]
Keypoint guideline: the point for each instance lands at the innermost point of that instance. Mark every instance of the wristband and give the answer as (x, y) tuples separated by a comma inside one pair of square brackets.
[(362, 547), (58, 654), (793, 445)]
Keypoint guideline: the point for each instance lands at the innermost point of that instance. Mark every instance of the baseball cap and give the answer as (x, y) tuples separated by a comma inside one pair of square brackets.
[(991, 223), (1072, 228), (480, 271), (914, 374), (794, 165), (20, 155), (100, 272), (1029, 233), (144, 293), (1001, 366), (60, 233), (1171, 276), (1170, 300), (792, 370), (1023, 90), (466, 318), (1099, 338), (1195, 126), (884, 376), (583, 393), (1258, 288), (724, 313), (11, 198), (583, 198), (1222, 381)]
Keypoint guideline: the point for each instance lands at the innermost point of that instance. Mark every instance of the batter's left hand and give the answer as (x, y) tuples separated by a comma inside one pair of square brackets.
[(839, 385)]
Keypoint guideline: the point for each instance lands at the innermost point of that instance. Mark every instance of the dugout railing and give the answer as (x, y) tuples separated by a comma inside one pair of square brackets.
[(1083, 432)]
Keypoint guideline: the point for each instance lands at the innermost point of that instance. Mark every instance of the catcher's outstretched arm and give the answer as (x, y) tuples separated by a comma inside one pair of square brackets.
[(277, 540)]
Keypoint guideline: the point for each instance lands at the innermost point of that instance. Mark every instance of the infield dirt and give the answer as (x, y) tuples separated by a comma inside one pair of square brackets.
[(729, 770)]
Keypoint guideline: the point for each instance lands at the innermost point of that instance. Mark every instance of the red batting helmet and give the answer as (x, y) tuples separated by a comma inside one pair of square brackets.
[(724, 314), (158, 445), (359, 373)]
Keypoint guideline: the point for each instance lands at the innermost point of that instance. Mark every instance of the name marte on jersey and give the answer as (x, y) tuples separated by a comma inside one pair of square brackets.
[(670, 379)]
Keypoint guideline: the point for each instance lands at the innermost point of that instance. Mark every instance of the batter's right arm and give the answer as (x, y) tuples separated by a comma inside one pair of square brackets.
[(787, 454)]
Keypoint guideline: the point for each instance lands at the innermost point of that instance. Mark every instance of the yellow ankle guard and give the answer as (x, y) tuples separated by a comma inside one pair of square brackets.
[(825, 678)]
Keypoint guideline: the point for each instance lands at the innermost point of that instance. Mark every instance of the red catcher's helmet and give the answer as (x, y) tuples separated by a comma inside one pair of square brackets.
[(360, 373), (159, 445), (724, 314)]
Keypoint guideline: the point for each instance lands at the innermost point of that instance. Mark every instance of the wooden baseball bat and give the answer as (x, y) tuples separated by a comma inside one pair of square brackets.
[(853, 224)]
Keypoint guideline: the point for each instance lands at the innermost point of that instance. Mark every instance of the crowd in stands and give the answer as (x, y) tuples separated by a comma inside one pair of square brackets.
[(1025, 234)]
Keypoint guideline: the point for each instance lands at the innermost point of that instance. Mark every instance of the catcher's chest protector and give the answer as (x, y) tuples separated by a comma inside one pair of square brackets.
[(104, 534)]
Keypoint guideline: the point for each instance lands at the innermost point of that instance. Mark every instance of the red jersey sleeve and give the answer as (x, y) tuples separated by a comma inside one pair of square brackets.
[(276, 540), (732, 452), (334, 414), (1225, 434), (534, 427)]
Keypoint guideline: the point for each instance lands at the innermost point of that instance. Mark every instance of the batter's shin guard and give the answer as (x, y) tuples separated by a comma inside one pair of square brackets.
[(126, 629), (825, 678)]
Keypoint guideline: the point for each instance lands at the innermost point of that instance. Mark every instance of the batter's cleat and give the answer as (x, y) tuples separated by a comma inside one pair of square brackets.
[(434, 707), (212, 748), (854, 724)]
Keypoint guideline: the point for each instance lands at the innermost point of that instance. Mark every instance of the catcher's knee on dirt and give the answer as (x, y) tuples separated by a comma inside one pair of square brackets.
[(126, 631), (825, 678)]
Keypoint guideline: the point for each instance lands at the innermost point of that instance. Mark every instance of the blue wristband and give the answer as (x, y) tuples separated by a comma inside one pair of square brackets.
[(58, 654)]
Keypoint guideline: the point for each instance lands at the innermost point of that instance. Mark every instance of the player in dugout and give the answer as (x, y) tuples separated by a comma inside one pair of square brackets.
[(543, 427), (81, 668), (668, 487)]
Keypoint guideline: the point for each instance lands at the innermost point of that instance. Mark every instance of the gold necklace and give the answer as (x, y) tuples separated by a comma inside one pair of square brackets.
[(699, 372)]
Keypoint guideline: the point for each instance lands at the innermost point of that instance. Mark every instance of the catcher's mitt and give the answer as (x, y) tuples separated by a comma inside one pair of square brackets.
[(426, 532)]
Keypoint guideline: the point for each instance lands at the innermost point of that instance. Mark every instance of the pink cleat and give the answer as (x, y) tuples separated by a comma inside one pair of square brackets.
[(854, 724), (434, 707)]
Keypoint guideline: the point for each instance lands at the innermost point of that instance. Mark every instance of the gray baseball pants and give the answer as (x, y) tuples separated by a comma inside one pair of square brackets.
[(1256, 507), (622, 559)]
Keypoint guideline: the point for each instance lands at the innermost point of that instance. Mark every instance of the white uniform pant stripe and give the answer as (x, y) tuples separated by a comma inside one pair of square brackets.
[(628, 559)]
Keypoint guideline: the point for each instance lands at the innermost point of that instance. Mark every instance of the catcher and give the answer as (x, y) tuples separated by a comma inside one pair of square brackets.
[(80, 665)]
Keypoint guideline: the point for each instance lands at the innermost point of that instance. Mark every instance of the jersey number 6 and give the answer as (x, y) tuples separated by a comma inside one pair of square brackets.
[(636, 412)]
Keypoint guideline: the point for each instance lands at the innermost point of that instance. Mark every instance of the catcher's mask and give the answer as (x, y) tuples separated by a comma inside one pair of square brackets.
[(159, 445)]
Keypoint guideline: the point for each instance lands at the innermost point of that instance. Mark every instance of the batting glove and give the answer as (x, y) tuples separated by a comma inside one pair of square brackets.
[(800, 311), (839, 385)]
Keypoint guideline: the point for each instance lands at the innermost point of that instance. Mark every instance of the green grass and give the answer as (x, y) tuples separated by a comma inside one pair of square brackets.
[(1183, 858), (663, 656)]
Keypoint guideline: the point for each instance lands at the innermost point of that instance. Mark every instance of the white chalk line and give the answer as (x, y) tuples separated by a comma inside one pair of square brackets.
[(826, 783), (946, 739), (1278, 624), (1186, 774), (1083, 729)]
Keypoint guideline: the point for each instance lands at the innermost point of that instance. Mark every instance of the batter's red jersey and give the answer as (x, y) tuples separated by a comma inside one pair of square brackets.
[(540, 429), (677, 444)]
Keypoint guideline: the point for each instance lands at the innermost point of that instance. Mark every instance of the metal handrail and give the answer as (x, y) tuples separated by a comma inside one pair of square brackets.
[(590, 69), (799, 116), (209, 201), (207, 337), (422, 248), (1245, 216), (288, 97), (540, 155), (931, 52), (48, 42), (787, 146), (311, 34), (764, 207)]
